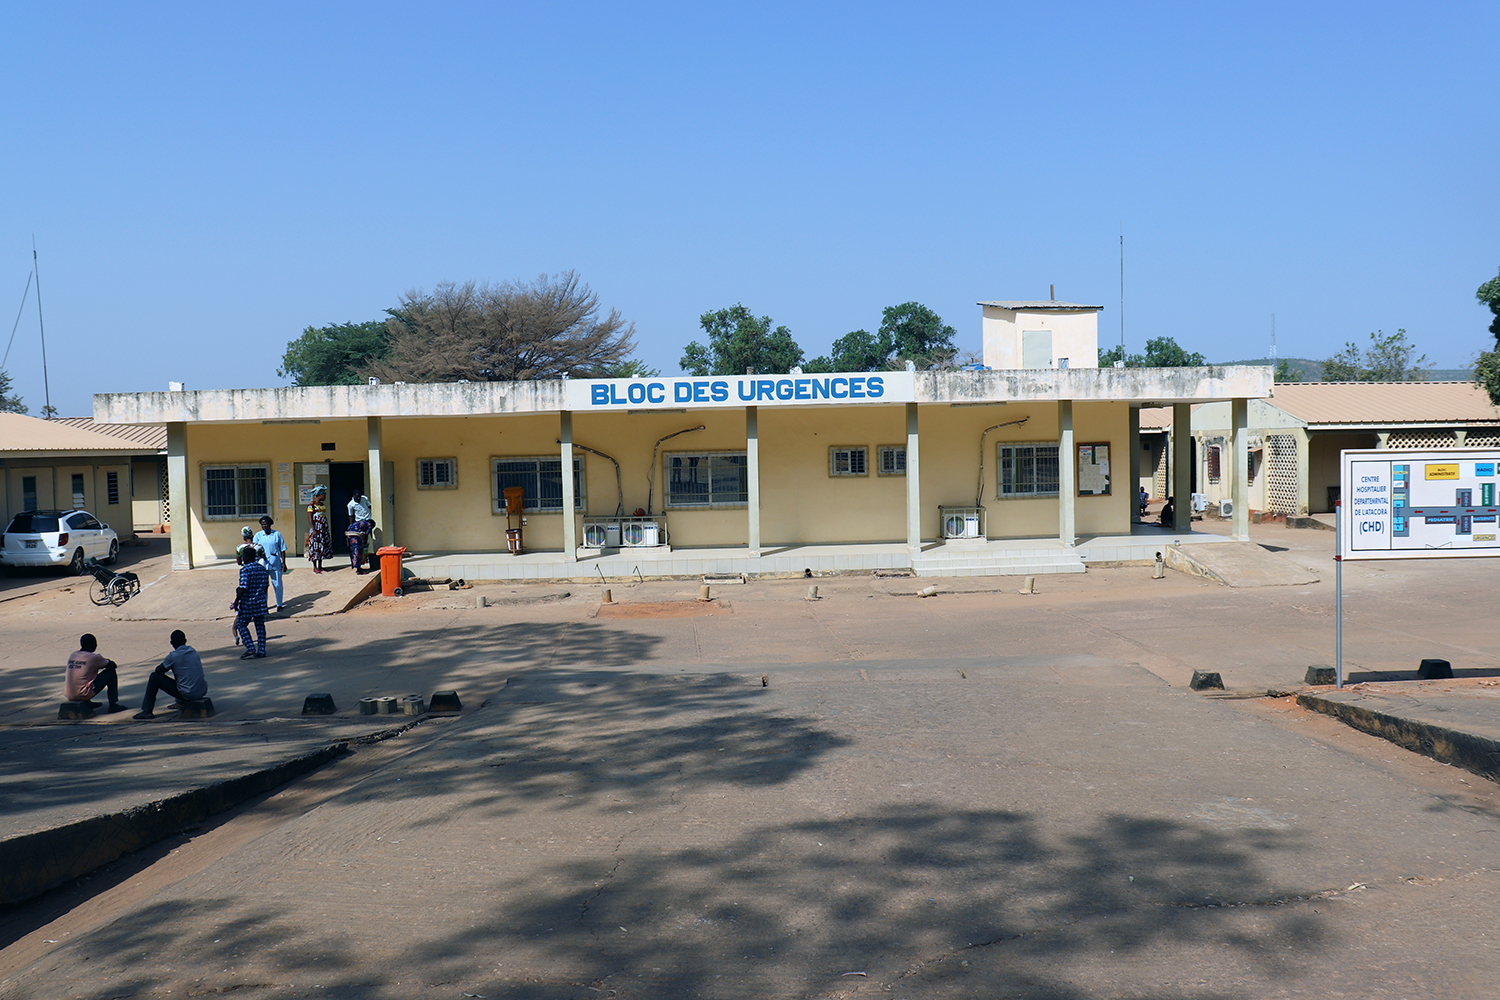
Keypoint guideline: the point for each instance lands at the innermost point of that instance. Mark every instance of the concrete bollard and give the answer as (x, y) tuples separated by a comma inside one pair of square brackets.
[(443, 702), (812, 593), (199, 708), (318, 704), (385, 706), (413, 704), (1029, 586), (703, 593), (927, 592), (1319, 674), (1159, 570), (1205, 679), (480, 601), (75, 710), (609, 597), (368, 706), (1435, 670)]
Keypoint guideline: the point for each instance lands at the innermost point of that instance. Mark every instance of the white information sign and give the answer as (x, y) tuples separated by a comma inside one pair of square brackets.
[(722, 391), (1419, 504)]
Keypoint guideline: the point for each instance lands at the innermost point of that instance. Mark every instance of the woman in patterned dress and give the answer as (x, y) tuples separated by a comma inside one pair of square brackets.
[(319, 537)]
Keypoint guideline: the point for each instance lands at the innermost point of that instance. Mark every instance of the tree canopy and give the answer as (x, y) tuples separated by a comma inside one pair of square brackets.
[(739, 341), (908, 332), (1487, 365), (9, 402), (333, 355), (1161, 352), (547, 328), (1387, 359)]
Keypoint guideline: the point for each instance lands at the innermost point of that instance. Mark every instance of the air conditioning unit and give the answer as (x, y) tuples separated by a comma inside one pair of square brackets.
[(641, 534), (601, 536), (961, 526), (1200, 502), (1226, 508)]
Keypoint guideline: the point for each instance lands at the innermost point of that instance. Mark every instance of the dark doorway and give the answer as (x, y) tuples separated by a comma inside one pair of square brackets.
[(345, 480)]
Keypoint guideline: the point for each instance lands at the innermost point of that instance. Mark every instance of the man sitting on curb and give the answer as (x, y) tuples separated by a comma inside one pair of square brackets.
[(250, 603), (89, 673), (185, 666)]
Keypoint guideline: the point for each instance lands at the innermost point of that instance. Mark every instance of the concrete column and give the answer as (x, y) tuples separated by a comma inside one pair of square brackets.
[(1304, 470), (1460, 437), (1182, 467), (177, 494), (752, 479), (913, 485), (1239, 481), (1067, 475), (1383, 439), (1134, 444), (570, 498), (378, 486)]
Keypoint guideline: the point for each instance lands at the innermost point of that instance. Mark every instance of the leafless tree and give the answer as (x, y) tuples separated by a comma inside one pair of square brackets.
[(547, 328)]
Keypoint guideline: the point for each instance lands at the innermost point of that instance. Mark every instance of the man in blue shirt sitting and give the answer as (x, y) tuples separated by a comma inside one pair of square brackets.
[(250, 603), (187, 682)]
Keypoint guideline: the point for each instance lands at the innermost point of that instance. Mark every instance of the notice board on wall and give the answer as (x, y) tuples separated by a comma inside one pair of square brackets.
[(1093, 469)]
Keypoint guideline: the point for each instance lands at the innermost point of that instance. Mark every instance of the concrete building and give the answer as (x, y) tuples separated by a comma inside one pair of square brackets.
[(67, 462), (1030, 468), (1295, 438)]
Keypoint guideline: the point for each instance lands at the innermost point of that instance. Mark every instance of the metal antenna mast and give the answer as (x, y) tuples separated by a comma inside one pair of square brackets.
[(46, 389), (1122, 289)]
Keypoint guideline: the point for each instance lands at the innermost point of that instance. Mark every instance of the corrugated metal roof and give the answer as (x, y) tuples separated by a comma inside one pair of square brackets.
[(23, 435), (1386, 404), (152, 437), (1040, 306), (1155, 418)]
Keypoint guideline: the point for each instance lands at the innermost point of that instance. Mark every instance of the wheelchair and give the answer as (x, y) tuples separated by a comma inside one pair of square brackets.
[(109, 587)]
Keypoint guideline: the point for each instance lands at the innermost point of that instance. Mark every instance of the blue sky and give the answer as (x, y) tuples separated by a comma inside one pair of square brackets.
[(204, 182)]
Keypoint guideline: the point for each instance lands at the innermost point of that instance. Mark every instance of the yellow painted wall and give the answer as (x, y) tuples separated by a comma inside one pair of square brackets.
[(1323, 464), (145, 500), (54, 489), (252, 444)]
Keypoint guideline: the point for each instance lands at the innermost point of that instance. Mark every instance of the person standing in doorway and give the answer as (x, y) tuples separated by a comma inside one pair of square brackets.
[(272, 554), (319, 535), (250, 605), (187, 682), (361, 523)]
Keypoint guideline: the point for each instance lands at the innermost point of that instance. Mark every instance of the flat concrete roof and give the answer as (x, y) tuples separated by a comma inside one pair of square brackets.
[(1041, 305)]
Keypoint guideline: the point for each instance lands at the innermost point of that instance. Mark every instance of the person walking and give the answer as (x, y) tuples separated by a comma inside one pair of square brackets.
[(361, 523), (250, 605), (89, 673), (319, 536), (186, 682), (272, 554)]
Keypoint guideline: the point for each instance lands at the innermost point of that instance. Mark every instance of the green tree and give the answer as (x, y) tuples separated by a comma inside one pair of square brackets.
[(1161, 352), (1286, 373), (1487, 365), (739, 341), (634, 368), (1388, 358), (9, 402), (856, 351), (913, 332), (547, 328), (333, 355)]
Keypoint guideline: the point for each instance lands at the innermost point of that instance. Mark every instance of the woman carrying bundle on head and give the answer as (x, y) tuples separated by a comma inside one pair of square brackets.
[(319, 538)]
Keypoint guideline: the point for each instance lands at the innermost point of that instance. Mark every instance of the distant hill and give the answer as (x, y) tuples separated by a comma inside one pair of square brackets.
[(1312, 371)]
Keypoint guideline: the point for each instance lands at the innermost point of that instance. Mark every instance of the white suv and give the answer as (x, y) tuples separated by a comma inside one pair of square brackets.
[(57, 538)]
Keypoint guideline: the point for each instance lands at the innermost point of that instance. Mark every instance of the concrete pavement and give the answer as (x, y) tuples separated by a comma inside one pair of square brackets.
[(918, 736)]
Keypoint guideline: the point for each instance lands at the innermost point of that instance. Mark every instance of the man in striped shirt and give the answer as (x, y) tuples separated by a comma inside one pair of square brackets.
[(250, 603)]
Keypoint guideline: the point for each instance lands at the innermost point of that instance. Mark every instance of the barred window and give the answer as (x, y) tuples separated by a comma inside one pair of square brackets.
[(892, 460), (540, 477), (707, 479), (844, 461), (112, 487), (1028, 469), (437, 473), (1211, 462), (236, 491)]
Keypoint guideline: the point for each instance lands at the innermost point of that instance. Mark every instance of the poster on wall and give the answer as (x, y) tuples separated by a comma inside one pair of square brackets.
[(1093, 470)]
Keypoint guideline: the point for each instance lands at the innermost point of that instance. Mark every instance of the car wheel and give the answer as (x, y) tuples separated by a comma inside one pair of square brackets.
[(114, 552), (76, 566)]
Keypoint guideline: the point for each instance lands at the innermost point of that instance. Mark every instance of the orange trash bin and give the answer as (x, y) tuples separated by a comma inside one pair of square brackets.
[(390, 569)]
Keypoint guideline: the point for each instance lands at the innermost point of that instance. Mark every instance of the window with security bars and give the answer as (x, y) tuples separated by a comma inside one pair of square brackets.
[(236, 491), (707, 479), (541, 479), (1211, 456), (892, 460), (844, 461), (112, 487), (1028, 469), (78, 497), (437, 473)]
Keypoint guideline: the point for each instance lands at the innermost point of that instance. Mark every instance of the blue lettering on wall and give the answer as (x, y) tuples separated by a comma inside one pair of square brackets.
[(783, 388), (656, 392), (719, 391), (765, 389), (700, 392), (833, 388), (746, 383), (682, 392), (614, 397), (820, 388), (856, 388), (636, 392), (802, 390), (875, 387), (599, 395)]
